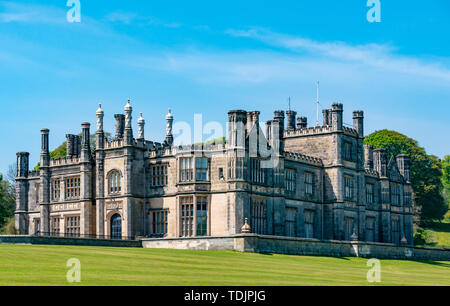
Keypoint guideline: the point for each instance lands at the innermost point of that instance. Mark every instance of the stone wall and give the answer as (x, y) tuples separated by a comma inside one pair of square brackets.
[(69, 241), (300, 246)]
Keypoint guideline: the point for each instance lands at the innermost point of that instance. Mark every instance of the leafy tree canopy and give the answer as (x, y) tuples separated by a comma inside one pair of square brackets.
[(7, 201), (446, 178)]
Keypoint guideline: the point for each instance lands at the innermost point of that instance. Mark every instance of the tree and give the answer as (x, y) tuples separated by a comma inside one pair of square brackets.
[(446, 178), (11, 174), (7, 201), (426, 171)]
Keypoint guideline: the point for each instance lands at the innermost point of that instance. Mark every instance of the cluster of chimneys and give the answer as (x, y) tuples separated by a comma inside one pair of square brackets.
[(124, 130), (332, 117), (376, 160), (79, 146)]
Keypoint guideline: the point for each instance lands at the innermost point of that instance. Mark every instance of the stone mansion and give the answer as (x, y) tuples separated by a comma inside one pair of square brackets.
[(293, 180)]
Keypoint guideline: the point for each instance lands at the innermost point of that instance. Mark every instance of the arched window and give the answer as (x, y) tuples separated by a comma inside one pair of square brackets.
[(114, 182)]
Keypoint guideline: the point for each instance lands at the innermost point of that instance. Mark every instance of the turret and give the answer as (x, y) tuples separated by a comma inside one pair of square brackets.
[(128, 135), (380, 162), (291, 120), (337, 116), (141, 125), (403, 163), (23, 163), (358, 122), (169, 126), (237, 120), (21, 220)]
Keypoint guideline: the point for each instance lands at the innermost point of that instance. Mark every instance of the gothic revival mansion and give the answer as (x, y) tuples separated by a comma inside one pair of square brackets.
[(293, 180)]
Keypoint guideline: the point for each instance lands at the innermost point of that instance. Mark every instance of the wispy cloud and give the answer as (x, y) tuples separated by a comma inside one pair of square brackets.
[(129, 17), (382, 57), (11, 12), (121, 17)]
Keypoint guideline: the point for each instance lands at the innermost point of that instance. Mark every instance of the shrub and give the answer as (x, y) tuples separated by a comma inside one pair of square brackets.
[(425, 237)]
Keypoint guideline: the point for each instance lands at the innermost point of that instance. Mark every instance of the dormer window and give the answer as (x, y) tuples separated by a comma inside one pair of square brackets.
[(114, 182)]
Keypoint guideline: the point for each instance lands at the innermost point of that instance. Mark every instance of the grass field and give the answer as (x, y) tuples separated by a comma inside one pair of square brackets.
[(46, 265), (441, 232)]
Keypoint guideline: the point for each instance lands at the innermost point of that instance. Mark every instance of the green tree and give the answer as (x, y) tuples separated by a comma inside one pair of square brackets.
[(7, 201), (446, 178), (426, 171)]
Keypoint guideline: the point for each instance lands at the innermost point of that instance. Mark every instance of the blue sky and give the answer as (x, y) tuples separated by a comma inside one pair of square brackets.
[(212, 56)]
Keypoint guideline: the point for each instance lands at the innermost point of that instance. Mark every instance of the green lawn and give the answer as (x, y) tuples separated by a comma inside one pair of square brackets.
[(46, 265), (441, 233)]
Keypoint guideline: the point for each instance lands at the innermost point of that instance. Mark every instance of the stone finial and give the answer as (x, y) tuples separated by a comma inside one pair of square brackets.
[(404, 241), (99, 110), (246, 228), (128, 106), (141, 124), (128, 134), (169, 127), (100, 114), (354, 237), (169, 114)]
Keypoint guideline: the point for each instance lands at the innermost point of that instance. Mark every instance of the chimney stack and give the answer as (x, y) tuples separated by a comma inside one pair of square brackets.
[(302, 123), (337, 116), (368, 157), (45, 154), (380, 162), (404, 164), (291, 119), (23, 164), (120, 125), (85, 145), (358, 122)]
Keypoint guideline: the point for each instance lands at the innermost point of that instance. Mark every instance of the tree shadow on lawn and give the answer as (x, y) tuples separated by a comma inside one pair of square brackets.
[(434, 263), (302, 255)]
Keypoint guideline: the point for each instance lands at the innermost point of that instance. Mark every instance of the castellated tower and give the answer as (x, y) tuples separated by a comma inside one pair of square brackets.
[(21, 217), (292, 180)]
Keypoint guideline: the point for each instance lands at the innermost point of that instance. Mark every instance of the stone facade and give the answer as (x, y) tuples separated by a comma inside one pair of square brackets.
[(316, 182)]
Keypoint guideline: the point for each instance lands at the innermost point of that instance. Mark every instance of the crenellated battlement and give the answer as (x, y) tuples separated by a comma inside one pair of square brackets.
[(303, 158), (371, 172), (64, 161), (312, 130), (170, 151), (315, 130), (350, 131), (114, 143), (34, 173)]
